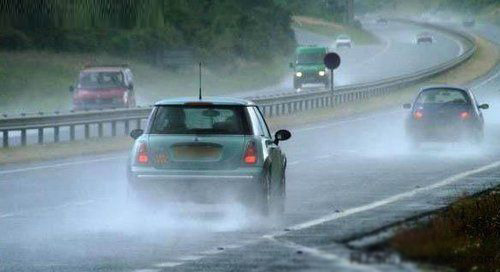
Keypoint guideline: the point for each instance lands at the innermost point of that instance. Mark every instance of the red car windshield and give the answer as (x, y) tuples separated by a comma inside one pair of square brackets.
[(100, 80)]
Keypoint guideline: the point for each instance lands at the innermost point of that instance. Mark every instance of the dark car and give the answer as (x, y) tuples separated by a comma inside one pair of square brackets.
[(424, 37), (205, 149), (445, 114), (98, 87)]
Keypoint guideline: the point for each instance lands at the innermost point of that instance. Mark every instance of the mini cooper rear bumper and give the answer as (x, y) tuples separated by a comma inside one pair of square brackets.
[(199, 185)]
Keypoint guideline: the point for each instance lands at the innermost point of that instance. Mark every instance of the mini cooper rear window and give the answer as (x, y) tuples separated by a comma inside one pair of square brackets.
[(230, 120)]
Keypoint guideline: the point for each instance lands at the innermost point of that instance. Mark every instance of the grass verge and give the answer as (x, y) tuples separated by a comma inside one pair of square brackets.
[(466, 236), (35, 153), (483, 60), (330, 29), (33, 81)]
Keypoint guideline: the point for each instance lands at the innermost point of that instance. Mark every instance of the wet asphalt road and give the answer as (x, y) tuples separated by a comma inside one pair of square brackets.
[(345, 177)]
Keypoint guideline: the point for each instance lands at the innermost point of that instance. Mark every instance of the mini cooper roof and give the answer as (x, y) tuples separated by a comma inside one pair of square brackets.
[(228, 101)]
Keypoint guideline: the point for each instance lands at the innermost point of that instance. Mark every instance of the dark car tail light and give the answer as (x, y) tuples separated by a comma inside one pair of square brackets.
[(250, 156), (142, 154), (464, 115), (418, 115)]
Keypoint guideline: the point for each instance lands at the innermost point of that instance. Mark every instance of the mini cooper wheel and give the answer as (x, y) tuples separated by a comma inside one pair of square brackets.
[(270, 200)]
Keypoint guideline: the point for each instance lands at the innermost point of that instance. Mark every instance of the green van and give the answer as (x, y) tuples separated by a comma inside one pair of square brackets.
[(309, 67)]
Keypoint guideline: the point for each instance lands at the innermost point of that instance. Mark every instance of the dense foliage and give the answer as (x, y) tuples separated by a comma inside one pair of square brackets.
[(325, 9), (219, 30)]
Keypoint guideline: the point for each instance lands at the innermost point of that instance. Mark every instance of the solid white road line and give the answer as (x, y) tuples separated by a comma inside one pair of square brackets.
[(391, 199), (344, 263), (482, 83), (58, 207), (338, 123), (63, 164)]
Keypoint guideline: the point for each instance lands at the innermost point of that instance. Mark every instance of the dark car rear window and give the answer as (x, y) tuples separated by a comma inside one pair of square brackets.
[(443, 96), (180, 119)]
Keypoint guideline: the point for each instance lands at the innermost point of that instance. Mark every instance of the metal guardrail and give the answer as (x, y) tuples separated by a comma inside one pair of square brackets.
[(273, 105)]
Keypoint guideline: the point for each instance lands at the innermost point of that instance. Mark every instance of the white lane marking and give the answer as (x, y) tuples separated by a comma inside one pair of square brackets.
[(146, 270), (5, 215), (64, 164), (167, 264), (338, 123), (324, 255), (388, 45), (389, 200), (460, 46), (294, 163), (190, 258), (479, 85), (58, 207)]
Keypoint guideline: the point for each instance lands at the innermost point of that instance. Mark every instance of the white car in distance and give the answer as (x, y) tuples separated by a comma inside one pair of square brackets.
[(343, 41)]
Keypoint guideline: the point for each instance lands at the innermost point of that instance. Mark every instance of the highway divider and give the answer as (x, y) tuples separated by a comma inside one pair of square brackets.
[(121, 121)]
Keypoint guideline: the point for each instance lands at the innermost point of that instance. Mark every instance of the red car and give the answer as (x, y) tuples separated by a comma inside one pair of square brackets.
[(104, 87)]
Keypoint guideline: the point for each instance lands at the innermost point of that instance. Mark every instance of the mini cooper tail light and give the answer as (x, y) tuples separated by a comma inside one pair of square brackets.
[(464, 115), (250, 156), (418, 115), (142, 154)]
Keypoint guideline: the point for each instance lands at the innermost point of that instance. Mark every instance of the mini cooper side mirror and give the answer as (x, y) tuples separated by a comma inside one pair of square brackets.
[(71, 88), (407, 106), (282, 135), (136, 133), (484, 106)]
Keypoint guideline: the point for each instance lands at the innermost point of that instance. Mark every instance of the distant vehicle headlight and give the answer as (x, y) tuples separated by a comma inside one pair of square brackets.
[(321, 73), (298, 74)]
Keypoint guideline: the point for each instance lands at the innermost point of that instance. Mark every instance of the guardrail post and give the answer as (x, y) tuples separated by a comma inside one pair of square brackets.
[(100, 130), (113, 128), (87, 131), (126, 129), (40, 136), (138, 123), (56, 134), (289, 107), (5, 139), (23, 137), (72, 132)]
